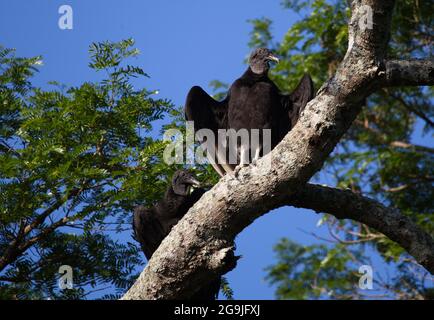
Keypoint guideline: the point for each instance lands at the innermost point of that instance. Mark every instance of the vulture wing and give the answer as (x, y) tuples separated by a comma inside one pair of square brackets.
[(147, 230), (207, 113), (298, 99)]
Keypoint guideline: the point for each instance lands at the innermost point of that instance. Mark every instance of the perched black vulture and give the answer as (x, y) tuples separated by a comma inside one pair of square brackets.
[(253, 102), (152, 225)]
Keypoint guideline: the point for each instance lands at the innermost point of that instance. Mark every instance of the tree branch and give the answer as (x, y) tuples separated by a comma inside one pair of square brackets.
[(415, 72), (345, 204), (413, 109), (381, 139), (414, 147), (20, 244)]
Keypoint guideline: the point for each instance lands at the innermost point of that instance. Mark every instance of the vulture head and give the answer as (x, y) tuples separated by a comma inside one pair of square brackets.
[(183, 182), (259, 60)]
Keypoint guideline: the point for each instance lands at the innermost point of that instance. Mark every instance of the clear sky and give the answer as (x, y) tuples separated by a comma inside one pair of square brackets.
[(182, 43)]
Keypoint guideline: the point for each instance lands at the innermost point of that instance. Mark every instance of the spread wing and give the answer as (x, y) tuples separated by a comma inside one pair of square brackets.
[(207, 113), (298, 99), (147, 230)]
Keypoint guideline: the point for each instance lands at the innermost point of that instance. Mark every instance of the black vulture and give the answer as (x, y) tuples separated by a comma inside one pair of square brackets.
[(253, 102), (152, 225)]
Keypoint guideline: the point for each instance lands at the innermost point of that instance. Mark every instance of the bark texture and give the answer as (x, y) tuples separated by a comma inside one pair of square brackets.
[(200, 246), (409, 72)]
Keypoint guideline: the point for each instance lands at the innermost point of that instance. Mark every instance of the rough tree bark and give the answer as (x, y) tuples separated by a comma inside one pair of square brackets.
[(200, 247)]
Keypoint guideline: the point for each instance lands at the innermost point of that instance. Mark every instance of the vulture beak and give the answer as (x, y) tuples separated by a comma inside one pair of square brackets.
[(273, 58), (194, 182)]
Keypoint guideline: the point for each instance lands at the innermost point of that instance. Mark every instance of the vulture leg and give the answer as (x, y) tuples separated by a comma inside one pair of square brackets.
[(223, 157), (223, 162), (257, 155), (244, 155), (217, 167), (244, 158), (212, 154)]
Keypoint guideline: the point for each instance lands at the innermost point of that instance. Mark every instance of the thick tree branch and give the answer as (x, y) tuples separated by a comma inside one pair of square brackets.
[(414, 72), (345, 204)]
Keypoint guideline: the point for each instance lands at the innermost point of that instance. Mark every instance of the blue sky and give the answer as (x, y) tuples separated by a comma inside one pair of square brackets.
[(182, 43)]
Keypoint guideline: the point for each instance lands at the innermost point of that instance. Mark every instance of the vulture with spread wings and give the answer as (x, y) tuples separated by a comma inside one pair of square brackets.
[(253, 102)]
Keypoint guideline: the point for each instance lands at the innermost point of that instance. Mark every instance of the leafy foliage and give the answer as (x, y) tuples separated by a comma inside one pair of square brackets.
[(225, 288), (297, 274), (73, 163)]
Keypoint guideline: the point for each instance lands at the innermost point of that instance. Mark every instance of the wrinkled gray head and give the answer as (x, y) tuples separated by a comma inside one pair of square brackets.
[(259, 60), (183, 182)]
